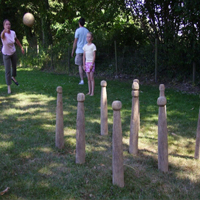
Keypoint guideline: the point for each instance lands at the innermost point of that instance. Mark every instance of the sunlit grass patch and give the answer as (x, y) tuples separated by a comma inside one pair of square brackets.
[(5, 145), (26, 155)]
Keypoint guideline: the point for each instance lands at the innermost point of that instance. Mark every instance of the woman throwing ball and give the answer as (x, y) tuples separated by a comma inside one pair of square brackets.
[(89, 56), (9, 38)]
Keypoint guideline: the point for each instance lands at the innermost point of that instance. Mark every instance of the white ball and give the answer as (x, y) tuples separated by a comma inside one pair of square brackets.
[(28, 19)]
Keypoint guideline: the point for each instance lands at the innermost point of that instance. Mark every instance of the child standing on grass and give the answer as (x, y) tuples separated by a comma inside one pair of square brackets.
[(89, 56)]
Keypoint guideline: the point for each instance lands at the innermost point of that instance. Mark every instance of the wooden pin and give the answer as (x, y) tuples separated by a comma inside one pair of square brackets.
[(80, 130), (104, 110), (59, 139), (117, 147), (162, 132)]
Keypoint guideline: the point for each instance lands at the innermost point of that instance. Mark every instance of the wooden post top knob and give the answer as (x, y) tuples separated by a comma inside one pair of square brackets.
[(59, 89), (80, 97), (103, 83), (116, 105)]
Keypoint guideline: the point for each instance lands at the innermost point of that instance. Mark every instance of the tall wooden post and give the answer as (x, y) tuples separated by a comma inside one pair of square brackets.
[(135, 121), (80, 130), (69, 56), (52, 67), (194, 72), (116, 67), (59, 120), (117, 147), (162, 131), (194, 64), (104, 110), (196, 155), (156, 59)]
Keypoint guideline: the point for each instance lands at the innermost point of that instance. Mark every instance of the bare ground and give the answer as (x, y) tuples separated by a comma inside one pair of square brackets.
[(185, 86)]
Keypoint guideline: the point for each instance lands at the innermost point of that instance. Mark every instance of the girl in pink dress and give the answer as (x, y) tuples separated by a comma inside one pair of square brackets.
[(89, 56)]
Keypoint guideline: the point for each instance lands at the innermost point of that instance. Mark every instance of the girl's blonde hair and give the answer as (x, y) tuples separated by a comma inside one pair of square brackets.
[(91, 34)]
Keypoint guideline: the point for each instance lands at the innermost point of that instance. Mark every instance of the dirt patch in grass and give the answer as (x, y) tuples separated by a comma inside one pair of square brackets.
[(185, 86)]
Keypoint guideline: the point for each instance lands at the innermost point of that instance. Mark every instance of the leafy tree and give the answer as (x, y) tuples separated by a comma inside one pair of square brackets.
[(176, 25)]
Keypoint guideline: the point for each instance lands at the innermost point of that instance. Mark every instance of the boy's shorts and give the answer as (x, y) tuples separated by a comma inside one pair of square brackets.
[(88, 65), (79, 59)]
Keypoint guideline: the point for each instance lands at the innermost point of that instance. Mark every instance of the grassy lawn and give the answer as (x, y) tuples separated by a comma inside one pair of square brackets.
[(34, 169)]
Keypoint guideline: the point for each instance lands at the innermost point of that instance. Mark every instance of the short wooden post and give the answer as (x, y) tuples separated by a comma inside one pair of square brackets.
[(134, 125), (162, 131), (38, 52), (80, 130), (38, 49), (196, 155), (59, 120), (117, 147), (104, 110)]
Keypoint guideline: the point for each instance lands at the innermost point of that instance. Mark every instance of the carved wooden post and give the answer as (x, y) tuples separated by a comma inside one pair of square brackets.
[(80, 130), (104, 111), (59, 139), (134, 126), (162, 132), (117, 147), (196, 155)]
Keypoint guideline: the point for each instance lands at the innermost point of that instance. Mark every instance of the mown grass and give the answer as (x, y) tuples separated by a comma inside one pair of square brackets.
[(34, 169)]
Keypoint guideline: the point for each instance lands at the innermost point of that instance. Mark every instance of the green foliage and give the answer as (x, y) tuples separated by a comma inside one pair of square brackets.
[(134, 25), (176, 25)]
